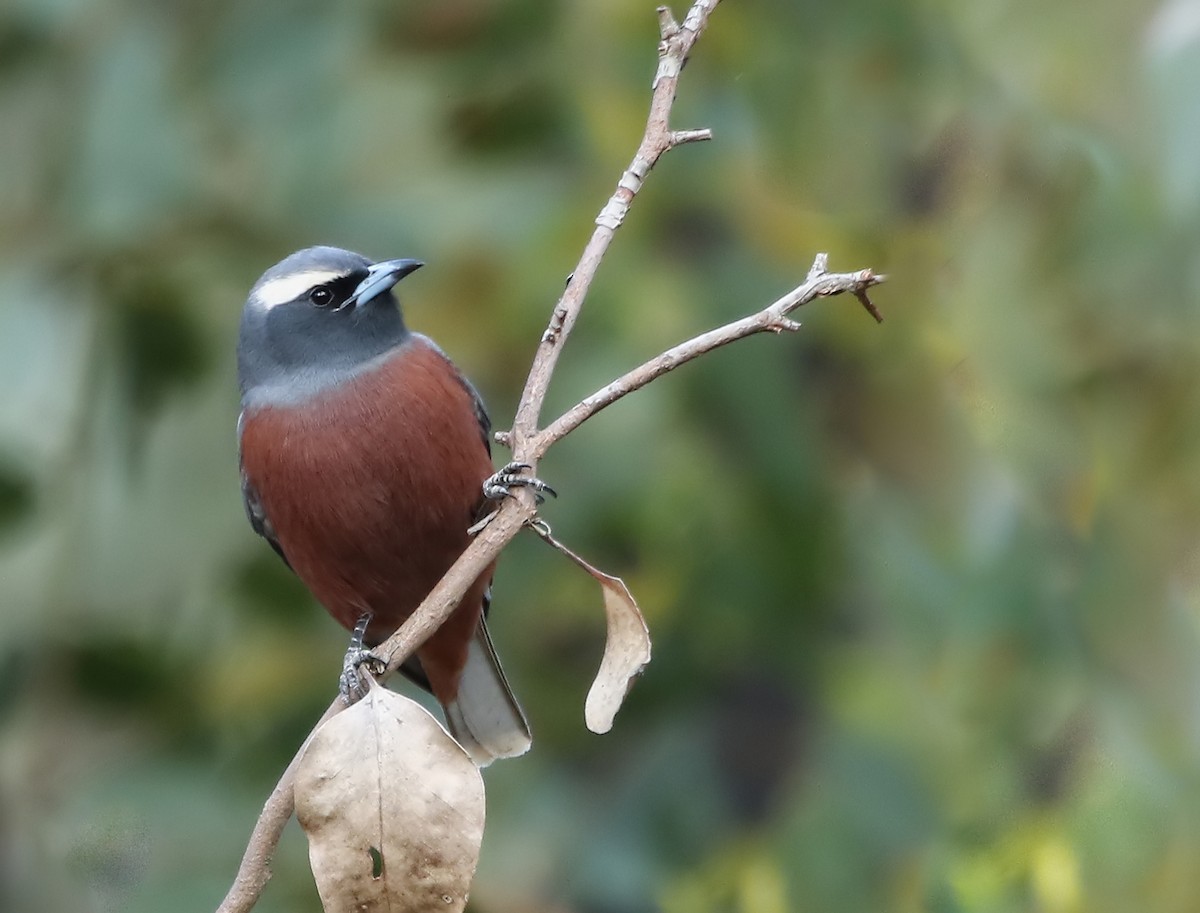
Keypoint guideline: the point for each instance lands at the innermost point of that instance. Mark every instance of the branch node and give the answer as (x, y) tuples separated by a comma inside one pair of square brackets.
[(867, 303), (669, 65), (679, 137), (631, 180), (819, 268), (640, 167), (479, 526), (667, 26), (613, 214), (556, 324), (783, 325)]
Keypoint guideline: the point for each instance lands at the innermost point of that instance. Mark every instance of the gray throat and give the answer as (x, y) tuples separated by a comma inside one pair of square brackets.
[(288, 355), (300, 385)]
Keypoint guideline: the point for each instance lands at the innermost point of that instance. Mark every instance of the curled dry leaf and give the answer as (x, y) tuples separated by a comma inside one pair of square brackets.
[(626, 649), (626, 652), (393, 809)]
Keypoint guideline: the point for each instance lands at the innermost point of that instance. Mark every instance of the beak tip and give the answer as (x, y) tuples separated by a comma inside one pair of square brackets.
[(397, 269), (381, 277)]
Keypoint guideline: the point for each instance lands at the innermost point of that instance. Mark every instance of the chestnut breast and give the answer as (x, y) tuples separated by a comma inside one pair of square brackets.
[(370, 486)]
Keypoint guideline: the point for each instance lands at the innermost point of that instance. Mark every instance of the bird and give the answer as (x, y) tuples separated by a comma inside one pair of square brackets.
[(364, 453)]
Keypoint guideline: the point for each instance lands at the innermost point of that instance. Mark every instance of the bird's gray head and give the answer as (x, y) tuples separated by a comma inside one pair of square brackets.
[(315, 318)]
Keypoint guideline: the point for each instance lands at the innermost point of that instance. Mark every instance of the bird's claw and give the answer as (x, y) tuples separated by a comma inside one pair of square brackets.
[(352, 684), (499, 485)]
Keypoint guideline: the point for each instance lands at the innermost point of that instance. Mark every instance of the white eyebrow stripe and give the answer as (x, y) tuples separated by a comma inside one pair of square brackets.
[(287, 288)]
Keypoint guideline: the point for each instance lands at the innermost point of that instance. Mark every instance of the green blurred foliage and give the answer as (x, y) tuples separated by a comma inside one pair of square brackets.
[(925, 596)]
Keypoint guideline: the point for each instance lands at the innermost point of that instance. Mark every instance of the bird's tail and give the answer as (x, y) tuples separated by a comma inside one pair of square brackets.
[(484, 716)]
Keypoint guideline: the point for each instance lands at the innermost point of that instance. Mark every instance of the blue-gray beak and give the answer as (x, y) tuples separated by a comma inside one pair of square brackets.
[(381, 277)]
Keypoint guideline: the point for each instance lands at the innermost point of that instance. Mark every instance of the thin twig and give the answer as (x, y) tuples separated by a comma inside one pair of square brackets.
[(255, 870), (772, 318), (673, 52)]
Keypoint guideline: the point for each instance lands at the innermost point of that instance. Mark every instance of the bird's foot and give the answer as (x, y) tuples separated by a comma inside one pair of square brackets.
[(499, 485), (352, 683)]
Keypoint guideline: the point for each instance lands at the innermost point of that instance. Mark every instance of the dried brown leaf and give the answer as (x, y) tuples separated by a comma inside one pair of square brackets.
[(626, 649), (393, 809)]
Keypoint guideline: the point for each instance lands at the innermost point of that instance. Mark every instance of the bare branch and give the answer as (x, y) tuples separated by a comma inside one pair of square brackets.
[(519, 509), (528, 444), (658, 138), (772, 318), (255, 870)]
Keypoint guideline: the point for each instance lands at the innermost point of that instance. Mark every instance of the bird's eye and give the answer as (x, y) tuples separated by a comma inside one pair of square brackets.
[(321, 296)]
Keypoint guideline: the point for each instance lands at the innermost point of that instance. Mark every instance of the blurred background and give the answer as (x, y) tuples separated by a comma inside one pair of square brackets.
[(925, 596)]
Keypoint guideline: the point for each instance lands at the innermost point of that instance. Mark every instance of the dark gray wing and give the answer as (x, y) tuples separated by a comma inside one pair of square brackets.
[(481, 415), (255, 512)]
